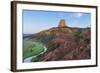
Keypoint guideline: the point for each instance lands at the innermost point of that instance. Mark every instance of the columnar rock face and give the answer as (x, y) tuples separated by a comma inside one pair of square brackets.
[(62, 23)]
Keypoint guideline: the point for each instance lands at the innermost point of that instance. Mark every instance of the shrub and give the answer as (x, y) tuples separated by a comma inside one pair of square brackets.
[(51, 46), (87, 40), (78, 35)]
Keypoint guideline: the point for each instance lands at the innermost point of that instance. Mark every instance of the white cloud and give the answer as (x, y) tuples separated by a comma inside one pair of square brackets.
[(77, 15)]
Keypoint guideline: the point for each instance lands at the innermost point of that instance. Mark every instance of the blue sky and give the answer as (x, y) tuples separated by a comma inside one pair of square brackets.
[(36, 21)]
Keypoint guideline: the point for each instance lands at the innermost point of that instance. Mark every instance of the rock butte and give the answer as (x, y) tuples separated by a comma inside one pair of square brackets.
[(62, 23)]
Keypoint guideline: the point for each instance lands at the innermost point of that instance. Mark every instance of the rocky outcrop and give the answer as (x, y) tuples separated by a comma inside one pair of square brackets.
[(65, 43), (68, 49), (62, 23)]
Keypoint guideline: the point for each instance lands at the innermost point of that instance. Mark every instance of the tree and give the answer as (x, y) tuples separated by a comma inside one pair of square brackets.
[(78, 35)]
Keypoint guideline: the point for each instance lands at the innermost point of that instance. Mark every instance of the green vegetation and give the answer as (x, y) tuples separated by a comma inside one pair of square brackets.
[(51, 46), (33, 46), (65, 30), (38, 58), (45, 38), (36, 49), (27, 44), (78, 35), (87, 40)]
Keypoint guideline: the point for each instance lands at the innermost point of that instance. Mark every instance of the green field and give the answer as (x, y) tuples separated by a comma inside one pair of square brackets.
[(32, 48)]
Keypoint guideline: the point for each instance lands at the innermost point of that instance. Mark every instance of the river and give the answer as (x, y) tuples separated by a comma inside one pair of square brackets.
[(28, 59)]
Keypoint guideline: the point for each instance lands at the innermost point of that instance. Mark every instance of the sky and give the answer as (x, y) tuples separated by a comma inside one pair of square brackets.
[(36, 21)]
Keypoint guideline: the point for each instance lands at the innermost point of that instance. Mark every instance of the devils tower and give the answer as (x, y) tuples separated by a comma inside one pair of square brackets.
[(62, 23)]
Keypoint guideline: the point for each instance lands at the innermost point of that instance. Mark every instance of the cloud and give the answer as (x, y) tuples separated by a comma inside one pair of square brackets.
[(77, 15)]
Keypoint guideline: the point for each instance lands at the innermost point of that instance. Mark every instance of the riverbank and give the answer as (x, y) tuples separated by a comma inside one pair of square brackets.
[(29, 59)]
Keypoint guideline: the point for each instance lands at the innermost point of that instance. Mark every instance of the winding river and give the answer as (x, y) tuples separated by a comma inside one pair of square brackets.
[(30, 58)]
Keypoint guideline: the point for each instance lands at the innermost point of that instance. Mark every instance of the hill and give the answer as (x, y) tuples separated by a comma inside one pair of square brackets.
[(64, 43)]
